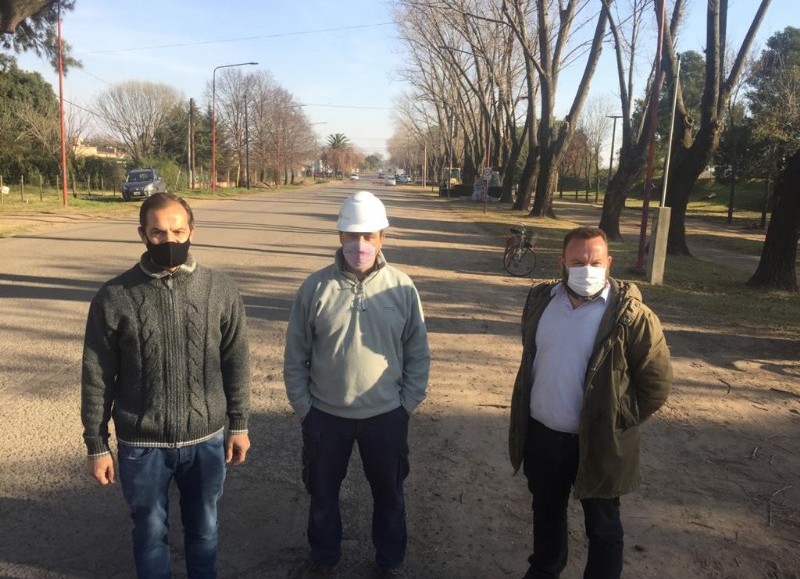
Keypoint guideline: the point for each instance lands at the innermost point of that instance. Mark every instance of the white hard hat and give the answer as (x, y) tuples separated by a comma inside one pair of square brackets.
[(362, 213)]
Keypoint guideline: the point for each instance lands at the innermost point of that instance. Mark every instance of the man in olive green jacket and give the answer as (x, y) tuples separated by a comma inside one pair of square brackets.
[(594, 366)]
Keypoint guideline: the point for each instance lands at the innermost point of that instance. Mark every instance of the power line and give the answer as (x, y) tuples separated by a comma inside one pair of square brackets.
[(348, 107), (86, 72), (239, 39), (99, 116)]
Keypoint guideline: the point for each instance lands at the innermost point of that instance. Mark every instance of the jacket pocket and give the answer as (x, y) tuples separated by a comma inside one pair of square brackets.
[(627, 412)]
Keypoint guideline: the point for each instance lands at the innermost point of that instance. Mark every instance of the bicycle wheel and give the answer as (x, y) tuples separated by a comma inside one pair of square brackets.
[(519, 262)]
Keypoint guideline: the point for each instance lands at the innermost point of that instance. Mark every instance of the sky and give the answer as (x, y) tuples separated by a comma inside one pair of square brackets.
[(339, 58)]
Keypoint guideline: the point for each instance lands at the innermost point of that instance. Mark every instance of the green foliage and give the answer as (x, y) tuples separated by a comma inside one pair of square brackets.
[(38, 33), (338, 141), (109, 172), (775, 82), (28, 122), (692, 82), (756, 143), (170, 138), (373, 162)]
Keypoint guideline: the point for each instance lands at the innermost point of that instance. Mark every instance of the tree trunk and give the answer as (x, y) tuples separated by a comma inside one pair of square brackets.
[(777, 270), (546, 182), (13, 12), (511, 163), (527, 181), (508, 179), (688, 160), (627, 172), (691, 155)]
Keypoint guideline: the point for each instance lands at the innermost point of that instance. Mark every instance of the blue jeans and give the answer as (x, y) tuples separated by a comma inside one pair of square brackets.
[(383, 445), (551, 464), (199, 472)]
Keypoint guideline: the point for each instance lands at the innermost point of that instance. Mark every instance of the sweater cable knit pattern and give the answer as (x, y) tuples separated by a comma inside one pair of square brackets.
[(165, 357)]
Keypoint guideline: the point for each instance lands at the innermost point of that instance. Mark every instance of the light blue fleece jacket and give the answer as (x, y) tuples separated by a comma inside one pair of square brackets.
[(356, 349)]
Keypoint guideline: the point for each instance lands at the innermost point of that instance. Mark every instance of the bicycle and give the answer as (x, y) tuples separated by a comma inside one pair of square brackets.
[(519, 258)]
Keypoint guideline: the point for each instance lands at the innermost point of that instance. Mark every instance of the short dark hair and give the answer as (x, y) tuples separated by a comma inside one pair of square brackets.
[(159, 201), (583, 233)]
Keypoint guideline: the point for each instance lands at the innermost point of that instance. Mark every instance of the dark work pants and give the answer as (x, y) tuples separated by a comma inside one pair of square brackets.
[(383, 445), (551, 464)]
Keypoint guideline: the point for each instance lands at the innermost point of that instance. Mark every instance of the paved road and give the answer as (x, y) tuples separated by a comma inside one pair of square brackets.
[(55, 522)]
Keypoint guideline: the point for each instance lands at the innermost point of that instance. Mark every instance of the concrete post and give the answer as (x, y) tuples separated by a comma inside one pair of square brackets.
[(658, 245)]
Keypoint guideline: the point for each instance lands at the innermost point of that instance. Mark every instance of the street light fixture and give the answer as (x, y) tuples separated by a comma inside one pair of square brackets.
[(214, 121)]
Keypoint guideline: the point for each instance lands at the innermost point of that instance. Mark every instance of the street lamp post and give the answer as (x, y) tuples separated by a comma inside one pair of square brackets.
[(450, 168), (246, 145), (611, 155), (214, 121), (61, 113)]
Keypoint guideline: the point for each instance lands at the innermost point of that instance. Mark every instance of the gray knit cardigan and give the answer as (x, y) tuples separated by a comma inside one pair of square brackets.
[(166, 356)]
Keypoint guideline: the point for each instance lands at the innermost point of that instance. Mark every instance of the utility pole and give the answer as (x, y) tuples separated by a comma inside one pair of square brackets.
[(425, 166), (611, 154), (648, 184), (246, 146), (191, 143), (61, 114)]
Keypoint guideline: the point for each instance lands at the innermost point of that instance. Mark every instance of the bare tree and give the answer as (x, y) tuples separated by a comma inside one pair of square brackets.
[(554, 29), (232, 92), (595, 123), (466, 68), (276, 132), (693, 147), (626, 28), (133, 112)]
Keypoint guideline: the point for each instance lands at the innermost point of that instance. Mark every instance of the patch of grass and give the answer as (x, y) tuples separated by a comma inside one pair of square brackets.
[(694, 291), (718, 296), (25, 212)]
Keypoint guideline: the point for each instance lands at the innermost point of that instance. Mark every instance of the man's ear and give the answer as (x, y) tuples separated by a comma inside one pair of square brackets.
[(142, 236)]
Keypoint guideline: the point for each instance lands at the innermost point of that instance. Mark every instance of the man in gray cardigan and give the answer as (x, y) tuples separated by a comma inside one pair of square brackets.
[(166, 358)]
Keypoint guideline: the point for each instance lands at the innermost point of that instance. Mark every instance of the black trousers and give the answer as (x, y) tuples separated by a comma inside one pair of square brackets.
[(551, 464), (383, 445)]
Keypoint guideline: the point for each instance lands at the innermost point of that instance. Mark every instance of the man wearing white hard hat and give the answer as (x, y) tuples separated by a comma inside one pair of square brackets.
[(355, 367)]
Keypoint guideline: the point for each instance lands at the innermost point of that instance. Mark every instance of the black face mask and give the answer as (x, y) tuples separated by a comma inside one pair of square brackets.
[(168, 255)]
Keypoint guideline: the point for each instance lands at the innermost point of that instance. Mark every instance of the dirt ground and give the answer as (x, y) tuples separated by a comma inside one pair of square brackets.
[(721, 461)]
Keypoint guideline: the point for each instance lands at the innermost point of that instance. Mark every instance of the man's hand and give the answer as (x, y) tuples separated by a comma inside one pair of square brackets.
[(236, 448), (101, 469)]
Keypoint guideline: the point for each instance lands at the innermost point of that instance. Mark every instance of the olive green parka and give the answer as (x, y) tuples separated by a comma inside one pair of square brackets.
[(627, 379)]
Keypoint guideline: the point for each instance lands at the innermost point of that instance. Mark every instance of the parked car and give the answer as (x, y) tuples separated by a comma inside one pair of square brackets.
[(403, 179), (390, 180), (354, 177), (142, 183)]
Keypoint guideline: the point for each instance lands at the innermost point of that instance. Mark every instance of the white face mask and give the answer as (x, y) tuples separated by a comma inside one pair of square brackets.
[(586, 280)]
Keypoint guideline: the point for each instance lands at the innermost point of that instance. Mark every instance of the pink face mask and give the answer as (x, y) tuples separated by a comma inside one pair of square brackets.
[(359, 255)]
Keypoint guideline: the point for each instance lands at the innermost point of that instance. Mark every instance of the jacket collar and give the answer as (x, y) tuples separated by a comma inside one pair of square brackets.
[(156, 272)]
